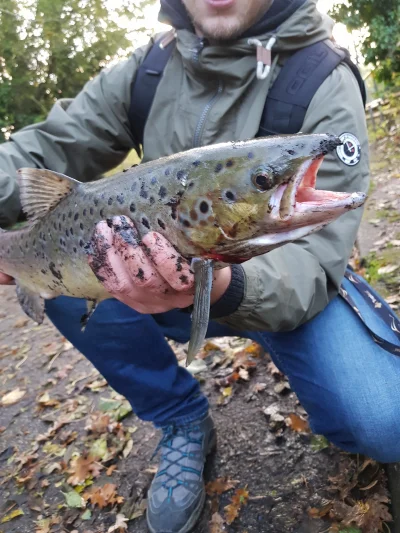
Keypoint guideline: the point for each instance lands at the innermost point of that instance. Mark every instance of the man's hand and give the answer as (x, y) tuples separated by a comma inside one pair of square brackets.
[(150, 276), (6, 280)]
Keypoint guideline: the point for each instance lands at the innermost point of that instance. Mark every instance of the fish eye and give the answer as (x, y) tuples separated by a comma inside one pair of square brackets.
[(262, 180)]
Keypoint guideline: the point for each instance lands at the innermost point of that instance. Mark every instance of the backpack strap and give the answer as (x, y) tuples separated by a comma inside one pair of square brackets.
[(145, 85), (297, 82)]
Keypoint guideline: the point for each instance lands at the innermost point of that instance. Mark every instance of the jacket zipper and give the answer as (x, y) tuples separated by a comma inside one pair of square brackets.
[(203, 117)]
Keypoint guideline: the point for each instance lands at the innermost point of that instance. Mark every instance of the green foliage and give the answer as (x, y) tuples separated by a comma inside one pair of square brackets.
[(381, 43), (50, 48)]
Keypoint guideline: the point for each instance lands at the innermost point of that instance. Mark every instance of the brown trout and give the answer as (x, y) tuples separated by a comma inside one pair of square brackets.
[(218, 204)]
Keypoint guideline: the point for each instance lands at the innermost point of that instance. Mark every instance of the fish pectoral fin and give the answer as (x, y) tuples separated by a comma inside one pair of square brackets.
[(41, 190), (91, 308), (203, 274), (31, 302)]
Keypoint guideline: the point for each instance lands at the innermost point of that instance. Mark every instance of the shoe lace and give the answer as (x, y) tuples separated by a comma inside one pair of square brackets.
[(167, 443)]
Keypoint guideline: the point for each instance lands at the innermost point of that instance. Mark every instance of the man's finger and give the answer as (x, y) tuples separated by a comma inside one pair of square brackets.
[(170, 264)]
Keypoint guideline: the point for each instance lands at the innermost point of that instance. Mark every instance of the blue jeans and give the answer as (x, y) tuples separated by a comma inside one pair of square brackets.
[(349, 386)]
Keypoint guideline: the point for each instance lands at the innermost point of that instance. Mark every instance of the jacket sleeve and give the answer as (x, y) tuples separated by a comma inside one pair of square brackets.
[(292, 284), (81, 137)]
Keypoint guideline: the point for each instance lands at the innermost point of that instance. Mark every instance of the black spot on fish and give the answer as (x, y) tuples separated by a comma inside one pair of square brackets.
[(291, 152), (91, 210), (153, 180), (110, 200), (81, 225), (181, 175), (143, 192), (71, 230), (59, 227), (96, 201), (183, 278), (56, 273), (76, 216), (43, 271), (230, 163), (250, 155), (55, 225), (196, 163), (132, 208), (81, 243), (145, 223), (204, 207), (133, 186), (185, 222), (173, 204), (120, 199), (64, 217), (161, 223), (167, 172), (70, 214), (218, 167), (140, 274), (230, 196), (101, 213), (34, 242), (162, 193), (84, 212), (151, 200), (191, 184), (75, 250), (61, 242), (67, 233)]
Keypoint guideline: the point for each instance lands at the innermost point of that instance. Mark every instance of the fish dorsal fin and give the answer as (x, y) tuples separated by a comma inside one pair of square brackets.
[(41, 190)]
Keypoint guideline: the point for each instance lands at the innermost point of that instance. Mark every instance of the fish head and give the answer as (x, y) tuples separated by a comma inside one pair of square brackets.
[(259, 193)]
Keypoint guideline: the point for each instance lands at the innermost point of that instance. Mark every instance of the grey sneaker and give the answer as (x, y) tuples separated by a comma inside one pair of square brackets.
[(176, 496)]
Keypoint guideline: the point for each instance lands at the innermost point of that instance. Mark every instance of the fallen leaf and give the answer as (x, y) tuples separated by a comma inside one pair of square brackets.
[(120, 524), (254, 349), (21, 322), (216, 523), (227, 391), (74, 500), (297, 423), (244, 374), (211, 347), (319, 443), (99, 449), (110, 470), (388, 269), (239, 499), (10, 516), (220, 485), (274, 370), (82, 468), (103, 496), (87, 515), (13, 397), (259, 387), (128, 448)]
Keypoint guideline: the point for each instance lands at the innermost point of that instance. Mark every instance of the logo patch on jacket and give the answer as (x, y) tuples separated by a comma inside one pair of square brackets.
[(350, 151)]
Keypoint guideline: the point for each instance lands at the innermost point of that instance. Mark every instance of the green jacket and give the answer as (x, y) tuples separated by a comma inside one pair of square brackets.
[(90, 134)]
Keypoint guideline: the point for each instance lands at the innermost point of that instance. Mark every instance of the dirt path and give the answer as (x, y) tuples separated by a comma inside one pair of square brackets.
[(72, 456)]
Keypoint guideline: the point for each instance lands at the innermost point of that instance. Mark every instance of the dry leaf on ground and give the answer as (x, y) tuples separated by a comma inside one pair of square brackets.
[(216, 523), (220, 485), (12, 397), (238, 500), (297, 423), (103, 496), (81, 468)]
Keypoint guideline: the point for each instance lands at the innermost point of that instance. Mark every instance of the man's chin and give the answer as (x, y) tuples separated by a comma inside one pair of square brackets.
[(220, 28)]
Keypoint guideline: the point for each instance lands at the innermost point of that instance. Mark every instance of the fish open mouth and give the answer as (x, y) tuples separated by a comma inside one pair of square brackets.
[(299, 196)]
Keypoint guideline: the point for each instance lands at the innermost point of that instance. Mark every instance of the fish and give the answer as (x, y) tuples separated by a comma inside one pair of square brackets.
[(218, 205)]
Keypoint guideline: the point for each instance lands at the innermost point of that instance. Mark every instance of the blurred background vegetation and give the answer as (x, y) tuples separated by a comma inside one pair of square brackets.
[(50, 48)]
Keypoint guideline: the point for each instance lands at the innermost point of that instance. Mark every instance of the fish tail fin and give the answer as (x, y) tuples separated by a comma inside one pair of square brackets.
[(31, 303)]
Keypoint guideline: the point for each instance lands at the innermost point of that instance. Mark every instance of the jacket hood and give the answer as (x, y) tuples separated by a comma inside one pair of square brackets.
[(174, 13)]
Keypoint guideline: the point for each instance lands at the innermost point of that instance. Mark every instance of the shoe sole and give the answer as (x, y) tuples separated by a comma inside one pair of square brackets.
[(212, 446)]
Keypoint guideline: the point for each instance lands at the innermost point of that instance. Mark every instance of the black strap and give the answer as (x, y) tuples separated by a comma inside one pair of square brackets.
[(295, 86), (379, 307), (145, 85)]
